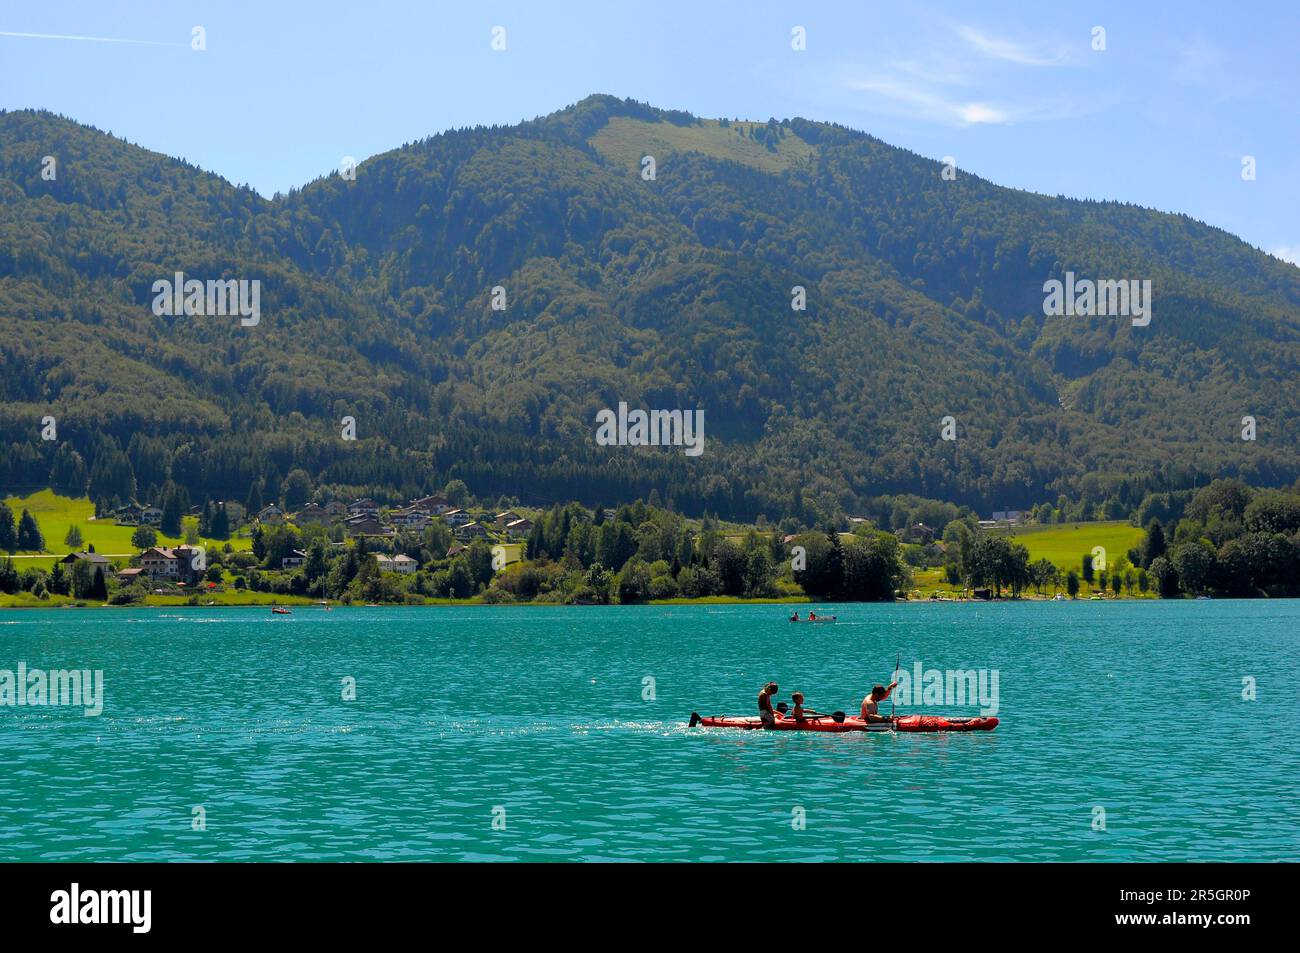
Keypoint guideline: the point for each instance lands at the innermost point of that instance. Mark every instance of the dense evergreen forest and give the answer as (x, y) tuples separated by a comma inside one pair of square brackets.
[(923, 300)]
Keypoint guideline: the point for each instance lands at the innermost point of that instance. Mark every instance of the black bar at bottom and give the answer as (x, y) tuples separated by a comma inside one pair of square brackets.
[(336, 901)]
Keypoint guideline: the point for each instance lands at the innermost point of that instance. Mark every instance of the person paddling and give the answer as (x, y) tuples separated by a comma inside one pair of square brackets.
[(795, 617), (871, 704), (765, 713)]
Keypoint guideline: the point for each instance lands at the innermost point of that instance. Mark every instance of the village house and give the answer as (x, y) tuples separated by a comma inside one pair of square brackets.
[(471, 531), (128, 576), (519, 528), (409, 518), (128, 515), (159, 562), (271, 515), (401, 563), (505, 519), (365, 525), (95, 559), (457, 517), (170, 565), (455, 549), (336, 510), (312, 513), (295, 559), (920, 533), (433, 505), (363, 507)]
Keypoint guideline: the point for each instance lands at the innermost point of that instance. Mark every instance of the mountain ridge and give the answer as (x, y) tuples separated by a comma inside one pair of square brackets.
[(921, 303)]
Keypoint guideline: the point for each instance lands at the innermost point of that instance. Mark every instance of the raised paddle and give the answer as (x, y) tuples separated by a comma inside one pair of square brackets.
[(897, 661)]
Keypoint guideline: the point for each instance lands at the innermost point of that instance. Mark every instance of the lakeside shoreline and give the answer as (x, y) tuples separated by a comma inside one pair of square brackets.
[(296, 603)]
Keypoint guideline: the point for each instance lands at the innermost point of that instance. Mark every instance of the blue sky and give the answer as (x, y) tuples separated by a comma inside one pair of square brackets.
[(1014, 91)]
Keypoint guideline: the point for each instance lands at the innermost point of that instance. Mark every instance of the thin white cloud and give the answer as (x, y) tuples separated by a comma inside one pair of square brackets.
[(918, 101), (966, 76), (1007, 50)]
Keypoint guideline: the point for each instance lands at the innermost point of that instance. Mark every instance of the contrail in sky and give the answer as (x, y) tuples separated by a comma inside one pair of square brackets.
[(92, 39)]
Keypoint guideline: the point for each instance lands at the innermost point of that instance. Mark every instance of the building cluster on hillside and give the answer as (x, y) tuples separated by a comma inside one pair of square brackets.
[(184, 566), (364, 517)]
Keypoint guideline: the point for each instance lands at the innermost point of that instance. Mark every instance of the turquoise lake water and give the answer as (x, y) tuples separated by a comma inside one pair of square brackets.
[(536, 716)]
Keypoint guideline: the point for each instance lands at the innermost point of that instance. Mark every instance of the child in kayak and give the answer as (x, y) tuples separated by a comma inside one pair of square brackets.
[(801, 714), (765, 713), (871, 704)]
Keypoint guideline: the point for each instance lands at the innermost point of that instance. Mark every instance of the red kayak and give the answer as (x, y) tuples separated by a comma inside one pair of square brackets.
[(828, 723)]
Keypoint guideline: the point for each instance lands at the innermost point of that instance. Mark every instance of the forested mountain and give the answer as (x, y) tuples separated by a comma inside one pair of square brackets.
[(924, 299)]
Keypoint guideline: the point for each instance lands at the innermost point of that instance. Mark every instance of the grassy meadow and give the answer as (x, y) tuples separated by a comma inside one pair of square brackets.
[(56, 513)]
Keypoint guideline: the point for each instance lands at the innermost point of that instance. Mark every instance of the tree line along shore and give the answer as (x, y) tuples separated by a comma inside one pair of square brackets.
[(1225, 540)]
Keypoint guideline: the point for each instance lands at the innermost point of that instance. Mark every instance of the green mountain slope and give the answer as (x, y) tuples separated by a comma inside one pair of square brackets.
[(924, 300)]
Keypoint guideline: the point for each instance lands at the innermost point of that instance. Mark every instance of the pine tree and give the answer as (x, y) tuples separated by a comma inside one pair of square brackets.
[(253, 504), (220, 528), (29, 533), (8, 532), (834, 569), (175, 503)]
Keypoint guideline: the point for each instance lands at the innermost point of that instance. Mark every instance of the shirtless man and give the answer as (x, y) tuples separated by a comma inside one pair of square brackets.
[(765, 713), (871, 704)]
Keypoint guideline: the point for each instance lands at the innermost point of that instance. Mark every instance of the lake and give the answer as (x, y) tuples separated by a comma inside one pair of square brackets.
[(545, 733)]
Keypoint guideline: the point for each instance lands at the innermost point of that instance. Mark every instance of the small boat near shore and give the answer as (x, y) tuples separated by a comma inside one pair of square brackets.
[(280, 610)]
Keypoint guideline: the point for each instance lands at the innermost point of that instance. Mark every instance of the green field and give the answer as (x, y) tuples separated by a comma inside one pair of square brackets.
[(1065, 545), (56, 513), (626, 140)]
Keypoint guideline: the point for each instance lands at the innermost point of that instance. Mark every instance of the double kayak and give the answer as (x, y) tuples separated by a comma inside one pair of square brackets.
[(925, 723)]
